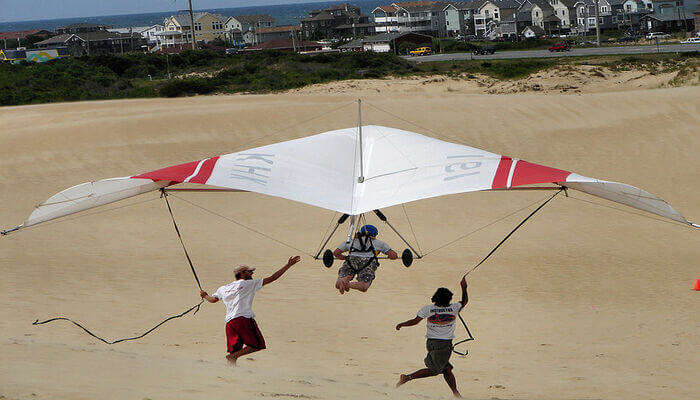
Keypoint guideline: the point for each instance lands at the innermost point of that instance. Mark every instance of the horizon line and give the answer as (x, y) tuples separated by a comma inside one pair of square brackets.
[(197, 10)]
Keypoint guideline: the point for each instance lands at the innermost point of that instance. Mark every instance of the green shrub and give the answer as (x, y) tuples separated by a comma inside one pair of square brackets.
[(187, 86)]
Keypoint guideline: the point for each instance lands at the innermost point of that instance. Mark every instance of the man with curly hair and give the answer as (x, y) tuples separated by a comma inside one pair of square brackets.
[(441, 318)]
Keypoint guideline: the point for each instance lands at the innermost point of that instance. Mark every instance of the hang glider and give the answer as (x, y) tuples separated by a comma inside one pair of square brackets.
[(351, 171)]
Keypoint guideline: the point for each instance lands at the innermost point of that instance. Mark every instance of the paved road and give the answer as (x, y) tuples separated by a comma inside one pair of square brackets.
[(588, 51)]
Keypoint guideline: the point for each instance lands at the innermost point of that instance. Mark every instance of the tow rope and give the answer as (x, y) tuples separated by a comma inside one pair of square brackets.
[(194, 307), (459, 314)]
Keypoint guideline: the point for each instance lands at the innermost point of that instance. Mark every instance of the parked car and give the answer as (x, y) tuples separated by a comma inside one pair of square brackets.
[(480, 51), (691, 40), (421, 51), (627, 39), (562, 46), (658, 35), (231, 51)]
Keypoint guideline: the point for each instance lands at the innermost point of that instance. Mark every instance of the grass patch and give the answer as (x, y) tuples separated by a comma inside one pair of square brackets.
[(499, 69)]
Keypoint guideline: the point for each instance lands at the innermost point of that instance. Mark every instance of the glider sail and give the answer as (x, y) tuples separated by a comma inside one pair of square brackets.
[(325, 170)]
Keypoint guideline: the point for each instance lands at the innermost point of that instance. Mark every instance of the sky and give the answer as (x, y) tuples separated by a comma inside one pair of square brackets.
[(25, 10)]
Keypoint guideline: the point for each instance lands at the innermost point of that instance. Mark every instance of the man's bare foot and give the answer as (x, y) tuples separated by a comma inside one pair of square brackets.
[(231, 359), (402, 379)]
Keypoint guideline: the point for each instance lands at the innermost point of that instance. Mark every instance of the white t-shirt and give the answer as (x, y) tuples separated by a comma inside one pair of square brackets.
[(378, 246), (440, 321), (237, 296)]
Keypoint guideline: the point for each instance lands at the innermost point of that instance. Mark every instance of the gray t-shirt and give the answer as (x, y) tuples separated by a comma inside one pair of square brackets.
[(440, 321), (356, 245)]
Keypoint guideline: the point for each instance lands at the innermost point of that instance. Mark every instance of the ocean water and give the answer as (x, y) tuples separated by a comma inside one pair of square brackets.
[(287, 14)]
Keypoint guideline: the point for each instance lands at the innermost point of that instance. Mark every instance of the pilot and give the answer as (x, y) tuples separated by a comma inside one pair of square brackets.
[(361, 260)]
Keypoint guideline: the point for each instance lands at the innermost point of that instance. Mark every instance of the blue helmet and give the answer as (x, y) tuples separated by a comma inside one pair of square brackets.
[(370, 230)]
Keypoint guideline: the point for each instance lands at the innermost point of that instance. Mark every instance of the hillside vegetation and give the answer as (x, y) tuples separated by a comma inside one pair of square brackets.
[(205, 72)]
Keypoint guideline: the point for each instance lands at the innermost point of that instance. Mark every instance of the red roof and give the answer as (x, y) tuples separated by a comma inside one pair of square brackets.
[(283, 44), (286, 28), (24, 34), (387, 8)]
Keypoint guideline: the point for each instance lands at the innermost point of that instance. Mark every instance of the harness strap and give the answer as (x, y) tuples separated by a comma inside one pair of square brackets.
[(364, 248)]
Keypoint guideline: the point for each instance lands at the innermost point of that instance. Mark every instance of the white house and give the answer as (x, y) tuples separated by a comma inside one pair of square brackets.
[(146, 32)]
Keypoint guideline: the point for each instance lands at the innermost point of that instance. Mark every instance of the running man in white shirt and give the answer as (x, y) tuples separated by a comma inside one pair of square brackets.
[(361, 259), (442, 318), (242, 333)]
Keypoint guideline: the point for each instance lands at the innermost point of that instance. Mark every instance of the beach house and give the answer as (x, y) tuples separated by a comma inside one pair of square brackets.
[(245, 26), (86, 38), (425, 17), (178, 31), (338, 21)]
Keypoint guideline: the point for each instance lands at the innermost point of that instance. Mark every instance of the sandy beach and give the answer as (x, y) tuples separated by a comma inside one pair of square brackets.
[(584, 302)]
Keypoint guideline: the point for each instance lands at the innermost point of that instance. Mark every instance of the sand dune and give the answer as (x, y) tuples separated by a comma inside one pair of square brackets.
[(584, 302)]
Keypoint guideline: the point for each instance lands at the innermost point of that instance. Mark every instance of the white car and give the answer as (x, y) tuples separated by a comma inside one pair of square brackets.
[(658, 35), (691, 40)]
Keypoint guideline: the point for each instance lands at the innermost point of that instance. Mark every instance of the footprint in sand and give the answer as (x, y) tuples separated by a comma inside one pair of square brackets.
[(286, 395)]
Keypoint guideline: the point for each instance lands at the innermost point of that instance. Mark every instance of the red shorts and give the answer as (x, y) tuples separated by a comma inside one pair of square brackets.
[(243, 330)]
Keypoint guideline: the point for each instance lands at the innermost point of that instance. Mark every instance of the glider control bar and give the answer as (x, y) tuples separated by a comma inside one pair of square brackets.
[(382, 217), (340, 221), (328, 257)]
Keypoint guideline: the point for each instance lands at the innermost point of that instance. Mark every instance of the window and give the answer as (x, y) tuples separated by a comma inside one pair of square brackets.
[(197, 26), (414, 15), (495, 14), (628, 7), (537, 13)]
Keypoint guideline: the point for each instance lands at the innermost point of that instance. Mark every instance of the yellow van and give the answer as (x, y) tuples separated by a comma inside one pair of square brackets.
[(421, 51)]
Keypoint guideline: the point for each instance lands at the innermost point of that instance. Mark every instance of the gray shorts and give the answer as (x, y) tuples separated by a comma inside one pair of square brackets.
[(359, 266), (439, 352)]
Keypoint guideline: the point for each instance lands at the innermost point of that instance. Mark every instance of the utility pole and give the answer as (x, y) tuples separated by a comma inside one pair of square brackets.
[(194, 42), (597, 24)]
